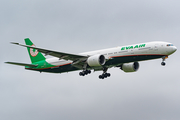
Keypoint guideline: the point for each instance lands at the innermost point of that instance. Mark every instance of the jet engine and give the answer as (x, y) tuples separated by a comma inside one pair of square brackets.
[(130, 67), (96, 60)]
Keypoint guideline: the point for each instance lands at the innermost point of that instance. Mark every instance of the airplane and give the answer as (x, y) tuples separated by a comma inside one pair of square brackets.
[(125, 57)]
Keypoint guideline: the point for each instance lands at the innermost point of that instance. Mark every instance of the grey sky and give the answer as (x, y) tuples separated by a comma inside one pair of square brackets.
[(152, 93)]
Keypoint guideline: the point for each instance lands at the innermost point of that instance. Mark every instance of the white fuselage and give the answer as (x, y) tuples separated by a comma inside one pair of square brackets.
[(150, 48)]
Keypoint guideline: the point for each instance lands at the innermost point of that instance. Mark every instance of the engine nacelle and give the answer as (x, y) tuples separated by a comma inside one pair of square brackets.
[(130, 67), (96, 60)]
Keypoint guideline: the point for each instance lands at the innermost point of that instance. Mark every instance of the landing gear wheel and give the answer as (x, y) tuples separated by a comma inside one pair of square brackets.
[(83, 73), (105, 75), (163, 63), (89, 71), (101, 77), (108, 74)]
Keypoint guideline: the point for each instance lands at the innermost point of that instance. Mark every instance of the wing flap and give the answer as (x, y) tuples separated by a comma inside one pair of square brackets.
[(22, 64)]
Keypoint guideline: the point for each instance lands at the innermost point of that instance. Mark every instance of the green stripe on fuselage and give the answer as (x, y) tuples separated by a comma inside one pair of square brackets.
[(43, 66)]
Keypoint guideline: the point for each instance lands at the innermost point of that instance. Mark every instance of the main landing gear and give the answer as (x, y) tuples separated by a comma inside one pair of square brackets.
[(105, 74), (163, 62), (85, 72)]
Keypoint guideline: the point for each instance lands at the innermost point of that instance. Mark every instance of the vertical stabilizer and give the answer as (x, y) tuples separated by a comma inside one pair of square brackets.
[(34, 55)]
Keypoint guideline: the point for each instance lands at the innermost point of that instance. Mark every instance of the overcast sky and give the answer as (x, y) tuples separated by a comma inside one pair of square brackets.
[(75, 26)]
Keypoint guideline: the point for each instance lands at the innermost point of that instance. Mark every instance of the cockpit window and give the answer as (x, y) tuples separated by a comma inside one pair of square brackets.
[(169, 44)]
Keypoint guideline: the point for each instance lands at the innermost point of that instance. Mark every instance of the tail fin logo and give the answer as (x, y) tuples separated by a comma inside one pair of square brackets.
[(33, 52)]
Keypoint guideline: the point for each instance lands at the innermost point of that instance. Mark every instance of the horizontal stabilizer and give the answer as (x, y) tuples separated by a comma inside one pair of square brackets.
[(22, 64)]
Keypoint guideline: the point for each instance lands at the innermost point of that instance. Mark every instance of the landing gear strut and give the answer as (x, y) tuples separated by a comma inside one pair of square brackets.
[(105, 74), (163, 62), (85, 71)]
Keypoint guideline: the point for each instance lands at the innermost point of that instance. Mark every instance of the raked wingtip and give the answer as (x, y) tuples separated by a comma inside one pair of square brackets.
[(14, 43)]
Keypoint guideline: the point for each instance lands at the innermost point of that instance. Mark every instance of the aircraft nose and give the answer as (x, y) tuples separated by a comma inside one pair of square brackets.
[(174, 49)]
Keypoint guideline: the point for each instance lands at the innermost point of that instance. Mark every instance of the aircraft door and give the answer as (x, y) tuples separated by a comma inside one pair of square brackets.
[(156, 47)]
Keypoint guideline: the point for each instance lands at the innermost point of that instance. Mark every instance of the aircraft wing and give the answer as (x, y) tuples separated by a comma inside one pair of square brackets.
[(22, 64), (61, 55)]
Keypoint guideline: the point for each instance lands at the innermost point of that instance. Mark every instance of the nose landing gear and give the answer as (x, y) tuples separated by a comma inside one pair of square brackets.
[(163, 62)]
